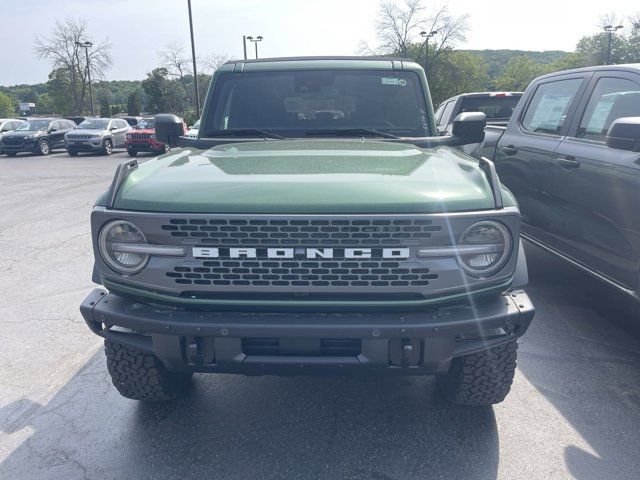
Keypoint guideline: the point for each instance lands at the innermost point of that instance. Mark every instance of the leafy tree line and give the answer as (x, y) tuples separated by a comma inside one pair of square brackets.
[(412, 30), (170, 88), (167, 88)]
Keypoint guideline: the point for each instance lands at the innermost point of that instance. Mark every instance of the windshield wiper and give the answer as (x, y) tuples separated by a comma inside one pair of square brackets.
[(244, 132), (351, 131)]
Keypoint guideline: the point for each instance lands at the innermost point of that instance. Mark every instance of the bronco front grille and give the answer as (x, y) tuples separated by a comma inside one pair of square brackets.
[(288, 232), (294, 273)]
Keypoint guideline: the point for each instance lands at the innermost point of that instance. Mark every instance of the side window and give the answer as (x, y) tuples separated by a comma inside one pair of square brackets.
[(55, 125), (446, 114), (547, 111), (612, 98), (122, 124), (5, 126), (15, 125), (438, 114)]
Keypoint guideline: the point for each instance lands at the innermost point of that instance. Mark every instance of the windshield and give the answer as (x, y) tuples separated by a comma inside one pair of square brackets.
[(94, 124), (493, 107), (146, 123), (295, 103), (34, 125)]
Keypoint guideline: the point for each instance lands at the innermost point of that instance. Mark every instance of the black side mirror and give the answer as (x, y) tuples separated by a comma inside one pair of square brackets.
[(168, 128), (469, 127), (113, 128), (51, 130), (624, 134)]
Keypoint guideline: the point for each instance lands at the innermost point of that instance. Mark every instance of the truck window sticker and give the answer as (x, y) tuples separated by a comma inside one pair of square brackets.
[(550, 103)]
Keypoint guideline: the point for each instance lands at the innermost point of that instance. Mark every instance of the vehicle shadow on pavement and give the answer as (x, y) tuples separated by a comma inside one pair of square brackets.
[(583, 353), (235, 427)]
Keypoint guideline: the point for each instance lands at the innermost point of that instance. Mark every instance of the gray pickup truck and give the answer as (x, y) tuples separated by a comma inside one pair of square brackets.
[(497, 106), (571, 156)]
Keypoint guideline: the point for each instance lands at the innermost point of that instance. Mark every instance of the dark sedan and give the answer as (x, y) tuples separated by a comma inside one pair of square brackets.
[(39, 136)]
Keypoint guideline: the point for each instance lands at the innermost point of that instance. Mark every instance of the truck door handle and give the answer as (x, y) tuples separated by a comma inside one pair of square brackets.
[(567, 163), (509, 150)]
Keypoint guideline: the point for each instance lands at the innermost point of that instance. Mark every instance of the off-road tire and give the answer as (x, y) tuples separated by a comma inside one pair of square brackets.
[(107, 147), (480, 378), (132, 153), (44, 147), (142, 376)]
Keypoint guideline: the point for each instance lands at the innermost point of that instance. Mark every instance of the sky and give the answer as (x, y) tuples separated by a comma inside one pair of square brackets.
[(139, 29)]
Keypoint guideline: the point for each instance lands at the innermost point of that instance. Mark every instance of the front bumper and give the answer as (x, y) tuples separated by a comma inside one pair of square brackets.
[(255, 343), (84, 145), (144, 146), (26, 146)]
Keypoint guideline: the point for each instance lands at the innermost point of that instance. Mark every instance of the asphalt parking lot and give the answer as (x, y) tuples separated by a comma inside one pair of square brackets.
[(574, 410)]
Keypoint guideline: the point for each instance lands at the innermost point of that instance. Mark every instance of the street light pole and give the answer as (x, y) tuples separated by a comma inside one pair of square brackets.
[(244, 45), (426, 37), (87, 45), (610, 30), (195, 69), (255, 41)]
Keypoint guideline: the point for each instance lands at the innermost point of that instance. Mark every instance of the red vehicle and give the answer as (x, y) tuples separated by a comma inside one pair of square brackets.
[(143, 138)]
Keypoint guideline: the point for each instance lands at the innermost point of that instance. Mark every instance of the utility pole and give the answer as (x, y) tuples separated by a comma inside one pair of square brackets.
[(195, 69), (244, 45), (255, 41), (87, 45), (610, 30), (426, 37)]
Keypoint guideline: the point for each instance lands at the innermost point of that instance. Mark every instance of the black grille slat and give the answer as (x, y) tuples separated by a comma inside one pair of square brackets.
[(281, 273), (328, 233)]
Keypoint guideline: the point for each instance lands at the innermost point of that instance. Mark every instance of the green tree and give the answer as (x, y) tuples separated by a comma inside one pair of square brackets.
[(105, 107), (7, 107), (156, 86), (59, 91), (455, 73), (518, 74), (134, 103)]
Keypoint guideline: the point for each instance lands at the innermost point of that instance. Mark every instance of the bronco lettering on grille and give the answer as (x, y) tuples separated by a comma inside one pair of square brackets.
[(310, 253)]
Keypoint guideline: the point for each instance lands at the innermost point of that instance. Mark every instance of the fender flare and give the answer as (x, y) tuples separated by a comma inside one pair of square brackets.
[(521, 275)]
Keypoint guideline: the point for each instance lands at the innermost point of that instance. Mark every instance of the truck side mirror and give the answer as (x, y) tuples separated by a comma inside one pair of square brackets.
[(624, 134), (168, 128), (469, 127)]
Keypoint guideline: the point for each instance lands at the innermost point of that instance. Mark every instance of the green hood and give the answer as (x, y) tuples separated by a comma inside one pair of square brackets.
[(308, 176)]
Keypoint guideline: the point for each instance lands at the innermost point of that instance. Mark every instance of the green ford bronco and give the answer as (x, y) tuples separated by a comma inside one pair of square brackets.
[(316, 225)]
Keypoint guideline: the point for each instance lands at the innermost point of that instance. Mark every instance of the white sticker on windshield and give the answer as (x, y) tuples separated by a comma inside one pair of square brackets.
[(390, 81)]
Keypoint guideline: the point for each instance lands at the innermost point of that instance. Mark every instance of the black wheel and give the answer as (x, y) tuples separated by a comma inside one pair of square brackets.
[(44, 148), (481, 378), (11, 154), (132, 153), (73, 153), (163, 150), (107, 147), (142, 376)]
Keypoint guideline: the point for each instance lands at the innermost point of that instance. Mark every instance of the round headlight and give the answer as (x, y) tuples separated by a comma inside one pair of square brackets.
[(484, 248), (113, 240)]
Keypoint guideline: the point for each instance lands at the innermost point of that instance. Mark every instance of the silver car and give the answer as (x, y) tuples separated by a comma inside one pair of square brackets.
[(97, 135), (9, 125)]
